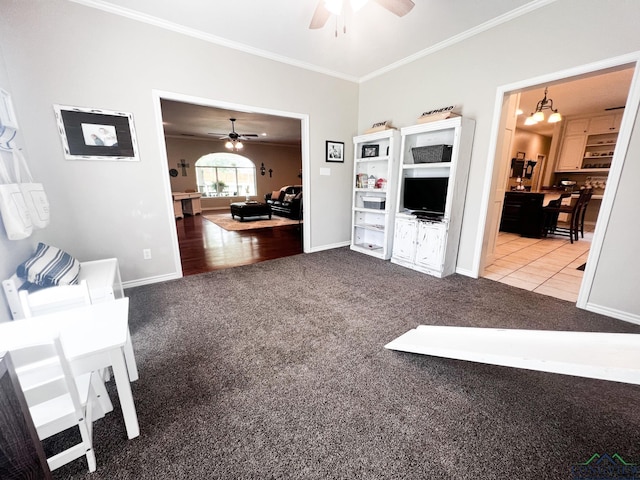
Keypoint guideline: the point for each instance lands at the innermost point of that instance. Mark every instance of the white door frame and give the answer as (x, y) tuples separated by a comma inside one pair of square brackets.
[(158, 95), (624, 136)]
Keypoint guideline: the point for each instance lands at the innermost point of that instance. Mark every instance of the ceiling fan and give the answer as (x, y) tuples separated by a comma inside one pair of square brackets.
[(326, 8), (233, 137)]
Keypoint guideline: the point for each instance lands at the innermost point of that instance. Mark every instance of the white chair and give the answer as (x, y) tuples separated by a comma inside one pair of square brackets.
[(56, 399), (54, 299), (104, 283), (64, 297)]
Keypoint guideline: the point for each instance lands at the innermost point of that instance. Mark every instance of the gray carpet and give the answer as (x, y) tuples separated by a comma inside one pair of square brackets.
[(277, 370)]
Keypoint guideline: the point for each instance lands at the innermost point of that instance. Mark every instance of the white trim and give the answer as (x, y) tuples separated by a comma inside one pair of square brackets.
[(626, 127), (162, 165), (149, 280), (614, 313), (483, 27), (207, 37), (466, 272), (322, 248)]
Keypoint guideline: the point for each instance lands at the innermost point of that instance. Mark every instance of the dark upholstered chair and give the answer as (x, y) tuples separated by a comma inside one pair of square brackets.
[(575, 213)]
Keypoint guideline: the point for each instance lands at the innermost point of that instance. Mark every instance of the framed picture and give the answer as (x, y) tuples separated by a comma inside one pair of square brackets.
[(92, 134), (370, 151), (520, 155), (335, 151)]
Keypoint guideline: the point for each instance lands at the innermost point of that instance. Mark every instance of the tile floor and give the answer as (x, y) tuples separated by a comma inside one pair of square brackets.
[(543, 265)]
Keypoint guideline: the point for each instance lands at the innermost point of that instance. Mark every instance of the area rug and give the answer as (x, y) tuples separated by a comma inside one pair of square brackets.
[(225, 221)]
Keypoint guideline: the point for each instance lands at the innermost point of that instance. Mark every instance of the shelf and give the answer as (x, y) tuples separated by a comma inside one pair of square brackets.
[(370, 210), (371, 190), (585, 170), (426, 166), (370, 226), (373, 159), (368, 247)]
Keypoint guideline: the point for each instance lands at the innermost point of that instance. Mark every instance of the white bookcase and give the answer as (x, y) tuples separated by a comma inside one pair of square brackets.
[(375, 179), (431, 245)]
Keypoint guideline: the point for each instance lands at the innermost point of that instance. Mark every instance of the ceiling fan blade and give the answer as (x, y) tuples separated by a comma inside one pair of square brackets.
[(247, 135), (399, 7), (320, 16)]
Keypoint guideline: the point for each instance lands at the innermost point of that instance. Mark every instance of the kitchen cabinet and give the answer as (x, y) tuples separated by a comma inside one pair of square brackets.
[(605, 123), (571, 153), (588, 144)]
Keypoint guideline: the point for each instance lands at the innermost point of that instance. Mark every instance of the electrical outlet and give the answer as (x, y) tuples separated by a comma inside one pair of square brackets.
[(146, 253)]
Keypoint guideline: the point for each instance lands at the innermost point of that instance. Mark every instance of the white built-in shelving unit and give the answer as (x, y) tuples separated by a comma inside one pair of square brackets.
[(375, 170), (431, 245)]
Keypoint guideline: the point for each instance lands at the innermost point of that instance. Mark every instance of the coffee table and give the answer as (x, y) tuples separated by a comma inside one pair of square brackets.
[(249, 209)]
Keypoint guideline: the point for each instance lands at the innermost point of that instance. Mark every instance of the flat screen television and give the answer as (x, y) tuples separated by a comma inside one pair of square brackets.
[(425, 196)]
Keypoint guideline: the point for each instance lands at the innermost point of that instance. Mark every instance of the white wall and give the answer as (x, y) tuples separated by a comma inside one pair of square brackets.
[(469, 73), (59, 52), (13, 251)]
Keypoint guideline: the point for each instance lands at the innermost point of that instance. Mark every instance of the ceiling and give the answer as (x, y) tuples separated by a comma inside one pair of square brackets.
[(278, 29), (588, 94), (375, 38)]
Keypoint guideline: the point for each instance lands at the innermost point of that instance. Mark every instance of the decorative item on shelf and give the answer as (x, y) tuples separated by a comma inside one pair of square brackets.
[(361, 180), (379, 127), (369, 151), (538, 115), (438, 114), (371, 181), (519, 185), (381, 183)]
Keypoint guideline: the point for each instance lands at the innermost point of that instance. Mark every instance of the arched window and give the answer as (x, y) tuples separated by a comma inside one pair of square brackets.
[(225, 175)]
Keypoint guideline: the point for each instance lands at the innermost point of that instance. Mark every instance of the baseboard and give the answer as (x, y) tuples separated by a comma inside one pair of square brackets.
[(329, 247), (613, 313), (150, 280), (466, 272)]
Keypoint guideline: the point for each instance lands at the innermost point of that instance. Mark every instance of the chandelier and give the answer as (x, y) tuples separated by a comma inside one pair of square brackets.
[(538, 115)]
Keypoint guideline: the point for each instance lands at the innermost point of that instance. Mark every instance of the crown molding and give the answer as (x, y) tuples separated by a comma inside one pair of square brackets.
[(198, 34)]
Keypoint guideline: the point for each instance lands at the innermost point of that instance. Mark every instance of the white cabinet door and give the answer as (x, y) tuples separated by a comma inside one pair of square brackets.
[(404, 239), (571, 153), (430, 245), (577, 126), (605, 123)]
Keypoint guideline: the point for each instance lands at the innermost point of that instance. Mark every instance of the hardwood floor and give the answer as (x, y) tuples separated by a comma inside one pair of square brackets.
[(205, 247)]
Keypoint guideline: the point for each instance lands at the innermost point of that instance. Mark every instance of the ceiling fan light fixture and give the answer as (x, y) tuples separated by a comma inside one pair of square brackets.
[(358, 4), (229, 145), (239, 145), (334, 6)]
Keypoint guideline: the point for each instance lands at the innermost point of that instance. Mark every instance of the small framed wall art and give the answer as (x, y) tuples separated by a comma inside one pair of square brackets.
[(93, 134), (335, 151)]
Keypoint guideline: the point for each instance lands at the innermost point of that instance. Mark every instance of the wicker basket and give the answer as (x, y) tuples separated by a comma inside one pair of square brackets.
[(432, 154)]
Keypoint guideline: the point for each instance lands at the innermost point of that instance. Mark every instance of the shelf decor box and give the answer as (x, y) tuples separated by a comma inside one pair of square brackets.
[(377, 203), (432, 154)]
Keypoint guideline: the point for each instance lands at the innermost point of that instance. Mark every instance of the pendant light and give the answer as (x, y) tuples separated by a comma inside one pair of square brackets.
[(538, 115)]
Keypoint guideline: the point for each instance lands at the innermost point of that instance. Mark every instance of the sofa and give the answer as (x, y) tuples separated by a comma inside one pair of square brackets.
[(286, 202)]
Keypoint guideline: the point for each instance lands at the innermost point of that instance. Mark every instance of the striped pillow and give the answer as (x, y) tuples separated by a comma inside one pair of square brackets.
[(49, 266)]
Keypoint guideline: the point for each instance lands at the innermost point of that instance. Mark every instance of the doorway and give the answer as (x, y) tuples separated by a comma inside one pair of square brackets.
[(291, 134), (582, 83)]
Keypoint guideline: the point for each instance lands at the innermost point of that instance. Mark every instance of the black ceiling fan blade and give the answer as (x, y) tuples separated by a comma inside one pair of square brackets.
[(248, 135), (398, 7), (320, 16)]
